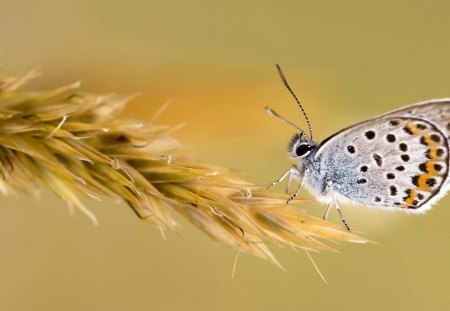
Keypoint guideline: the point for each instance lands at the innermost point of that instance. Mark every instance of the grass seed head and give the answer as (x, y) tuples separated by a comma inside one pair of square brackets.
[(76, 144)]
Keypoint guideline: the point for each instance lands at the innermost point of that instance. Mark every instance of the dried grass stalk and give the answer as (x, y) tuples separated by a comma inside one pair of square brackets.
[(74, 143)]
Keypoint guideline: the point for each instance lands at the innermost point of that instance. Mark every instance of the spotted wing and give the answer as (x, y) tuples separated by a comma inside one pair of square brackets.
[(399, 159)]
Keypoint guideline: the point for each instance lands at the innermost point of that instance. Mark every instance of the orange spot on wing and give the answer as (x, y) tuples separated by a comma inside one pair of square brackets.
[(428, 140), (432, 152), (410, 199), (422, 182), (430, 168), (413, 129)]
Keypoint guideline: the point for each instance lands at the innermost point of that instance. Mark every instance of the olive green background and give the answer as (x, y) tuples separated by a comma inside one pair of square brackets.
[(347, 61)]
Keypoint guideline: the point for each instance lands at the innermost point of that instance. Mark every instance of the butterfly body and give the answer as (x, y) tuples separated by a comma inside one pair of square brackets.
[(396, 161)]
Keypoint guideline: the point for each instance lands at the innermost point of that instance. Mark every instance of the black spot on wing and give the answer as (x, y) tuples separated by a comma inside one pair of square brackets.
[(431, 182), (423, 167), (394, 122), (435, 138), (370, 134), (378, 159), (393, 190), (408, 130), (390, 176), (390, 138), (421, 126), (423, 141)]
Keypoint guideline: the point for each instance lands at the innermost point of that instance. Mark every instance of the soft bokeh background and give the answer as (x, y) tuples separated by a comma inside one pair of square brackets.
[(347, 60)]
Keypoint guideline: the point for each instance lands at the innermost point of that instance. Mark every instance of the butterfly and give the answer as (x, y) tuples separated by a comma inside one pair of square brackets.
[(395, 161)]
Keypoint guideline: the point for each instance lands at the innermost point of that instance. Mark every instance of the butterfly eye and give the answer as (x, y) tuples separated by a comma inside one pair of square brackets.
[(303, 149)]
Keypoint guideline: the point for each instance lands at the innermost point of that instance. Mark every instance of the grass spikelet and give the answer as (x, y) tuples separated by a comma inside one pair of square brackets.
[(76, 144)]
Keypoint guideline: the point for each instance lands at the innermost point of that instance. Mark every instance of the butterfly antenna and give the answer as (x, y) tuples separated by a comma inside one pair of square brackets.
[(276, 115), (286, 84)]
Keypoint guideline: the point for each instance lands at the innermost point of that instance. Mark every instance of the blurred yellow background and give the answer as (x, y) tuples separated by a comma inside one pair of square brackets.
[(347, 61)]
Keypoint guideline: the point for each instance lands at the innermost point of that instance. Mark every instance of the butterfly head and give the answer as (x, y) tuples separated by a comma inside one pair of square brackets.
[(300, 146)]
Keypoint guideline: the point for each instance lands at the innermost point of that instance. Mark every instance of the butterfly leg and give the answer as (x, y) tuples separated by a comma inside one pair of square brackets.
[(288, 184), (327, 187), (341, 216), (334, 203), (296, 191), (292, 170), (325, 216)]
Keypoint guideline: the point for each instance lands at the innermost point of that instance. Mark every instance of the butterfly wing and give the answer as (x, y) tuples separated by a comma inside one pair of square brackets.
[(396, 160)]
